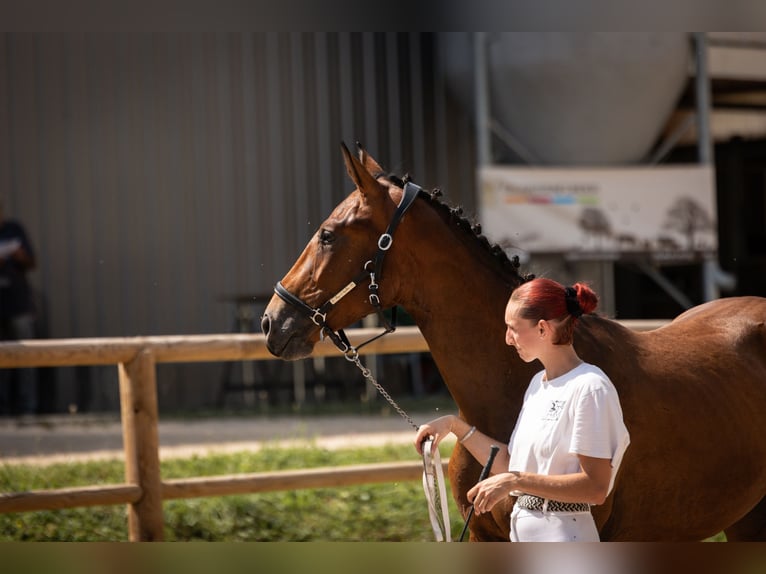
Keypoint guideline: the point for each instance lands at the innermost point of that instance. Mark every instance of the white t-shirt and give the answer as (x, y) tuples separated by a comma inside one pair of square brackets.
[(576, 413)]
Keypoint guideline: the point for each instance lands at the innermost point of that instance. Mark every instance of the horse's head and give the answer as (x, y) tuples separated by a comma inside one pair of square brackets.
[(334, 281)]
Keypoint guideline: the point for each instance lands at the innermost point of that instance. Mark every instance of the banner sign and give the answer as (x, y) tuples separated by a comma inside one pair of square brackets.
[(668, 212)]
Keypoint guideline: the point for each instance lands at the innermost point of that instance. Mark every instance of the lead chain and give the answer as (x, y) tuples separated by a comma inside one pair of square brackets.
[(368, 375)]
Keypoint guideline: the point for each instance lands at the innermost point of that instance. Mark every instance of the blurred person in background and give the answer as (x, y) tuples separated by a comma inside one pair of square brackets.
[(18, 387)]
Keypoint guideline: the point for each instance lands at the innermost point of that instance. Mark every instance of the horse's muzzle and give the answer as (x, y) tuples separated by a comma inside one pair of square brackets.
[(288, 334)]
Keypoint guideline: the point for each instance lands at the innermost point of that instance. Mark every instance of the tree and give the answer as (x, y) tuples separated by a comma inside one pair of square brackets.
[(688, 217), (595, 223)]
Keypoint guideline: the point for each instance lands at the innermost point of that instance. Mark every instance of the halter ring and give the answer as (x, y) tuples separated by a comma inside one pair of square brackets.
[(351, 354), (385, 241)]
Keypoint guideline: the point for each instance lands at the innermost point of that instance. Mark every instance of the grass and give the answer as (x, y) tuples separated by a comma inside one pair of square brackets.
[(380, 512), (373, 513), (436, 403)]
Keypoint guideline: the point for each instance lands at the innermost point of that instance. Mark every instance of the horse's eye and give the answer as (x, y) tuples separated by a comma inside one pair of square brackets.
[(326, 237)]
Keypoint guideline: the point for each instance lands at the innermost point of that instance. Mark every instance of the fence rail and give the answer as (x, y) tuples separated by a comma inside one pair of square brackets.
[(136, 359), (246, 483)]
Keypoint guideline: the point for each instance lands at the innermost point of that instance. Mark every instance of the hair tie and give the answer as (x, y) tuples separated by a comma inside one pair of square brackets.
[(573, 305)]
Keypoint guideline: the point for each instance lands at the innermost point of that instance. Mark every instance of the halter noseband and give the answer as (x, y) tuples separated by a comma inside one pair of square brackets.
[(372, 268)]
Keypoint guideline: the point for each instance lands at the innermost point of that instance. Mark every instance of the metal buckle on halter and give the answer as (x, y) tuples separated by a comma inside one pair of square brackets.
[(322, 317), (385, 241), (374, 299)]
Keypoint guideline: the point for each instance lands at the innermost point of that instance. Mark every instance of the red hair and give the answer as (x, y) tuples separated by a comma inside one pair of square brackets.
[(546, 299)]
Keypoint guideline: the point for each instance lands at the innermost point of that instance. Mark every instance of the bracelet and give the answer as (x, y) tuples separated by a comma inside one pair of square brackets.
[(468, 435)]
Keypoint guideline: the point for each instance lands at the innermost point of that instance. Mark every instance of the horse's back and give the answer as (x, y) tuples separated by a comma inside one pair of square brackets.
[(747, 307), (724, 334), (721, 342), (733, 326), (728, 325)]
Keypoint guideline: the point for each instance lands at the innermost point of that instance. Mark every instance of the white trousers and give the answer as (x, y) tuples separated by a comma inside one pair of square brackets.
[(539, 526)]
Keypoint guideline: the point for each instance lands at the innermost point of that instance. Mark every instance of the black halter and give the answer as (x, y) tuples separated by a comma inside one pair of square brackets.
[(372, 268)]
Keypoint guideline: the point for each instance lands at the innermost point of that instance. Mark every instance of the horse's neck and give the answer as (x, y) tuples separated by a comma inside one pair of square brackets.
[(458, 300)]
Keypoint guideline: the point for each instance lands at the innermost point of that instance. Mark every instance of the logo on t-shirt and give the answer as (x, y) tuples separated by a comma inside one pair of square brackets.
[(554, 411)]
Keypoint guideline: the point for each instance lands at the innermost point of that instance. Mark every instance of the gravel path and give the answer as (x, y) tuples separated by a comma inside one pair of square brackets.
[(50, 439)]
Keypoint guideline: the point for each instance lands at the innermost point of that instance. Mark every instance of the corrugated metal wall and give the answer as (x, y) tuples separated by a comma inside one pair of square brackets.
[(159, 174)]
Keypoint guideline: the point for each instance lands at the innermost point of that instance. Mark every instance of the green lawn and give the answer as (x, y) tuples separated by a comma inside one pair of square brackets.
[(372, 513), (380, 512)]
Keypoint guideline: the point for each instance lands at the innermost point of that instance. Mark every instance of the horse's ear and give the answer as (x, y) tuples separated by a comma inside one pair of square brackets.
[(358, 173), (368, 161)]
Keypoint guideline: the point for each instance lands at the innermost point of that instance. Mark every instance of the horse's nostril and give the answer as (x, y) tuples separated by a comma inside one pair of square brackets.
[(265, 324)]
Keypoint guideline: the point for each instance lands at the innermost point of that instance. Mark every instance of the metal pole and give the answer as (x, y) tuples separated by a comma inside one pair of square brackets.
[(481, 78), (710, 267), (702, 90)]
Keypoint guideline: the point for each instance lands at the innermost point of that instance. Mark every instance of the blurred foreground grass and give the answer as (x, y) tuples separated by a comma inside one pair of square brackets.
[(376, 513), (383, 512)]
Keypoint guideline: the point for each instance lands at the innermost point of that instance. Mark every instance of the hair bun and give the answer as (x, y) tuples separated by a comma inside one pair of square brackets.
[(586, 298)]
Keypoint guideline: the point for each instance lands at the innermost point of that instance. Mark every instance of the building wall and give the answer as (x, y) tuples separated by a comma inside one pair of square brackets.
[(160, 174)]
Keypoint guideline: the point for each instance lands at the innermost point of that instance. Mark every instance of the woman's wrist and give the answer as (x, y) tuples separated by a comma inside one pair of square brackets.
[(458, 426), (468, 434), (453, 419), (461, 429)]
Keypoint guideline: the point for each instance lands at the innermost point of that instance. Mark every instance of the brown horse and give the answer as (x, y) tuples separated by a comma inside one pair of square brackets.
[(693, 392)]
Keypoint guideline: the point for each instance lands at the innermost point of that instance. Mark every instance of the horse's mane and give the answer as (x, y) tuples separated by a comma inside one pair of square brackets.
[(454, 217)]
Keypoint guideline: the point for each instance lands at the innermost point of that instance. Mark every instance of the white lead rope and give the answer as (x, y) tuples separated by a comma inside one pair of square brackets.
[(433, 478)]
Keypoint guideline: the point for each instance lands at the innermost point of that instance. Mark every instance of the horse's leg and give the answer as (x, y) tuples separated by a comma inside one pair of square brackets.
[(464, 471), (751, 527)]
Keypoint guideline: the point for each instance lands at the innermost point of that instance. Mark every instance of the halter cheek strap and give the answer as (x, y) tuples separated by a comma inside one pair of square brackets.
[(372, 269)]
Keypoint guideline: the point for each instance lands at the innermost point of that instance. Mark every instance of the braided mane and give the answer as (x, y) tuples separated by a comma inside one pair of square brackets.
[(454, 216)]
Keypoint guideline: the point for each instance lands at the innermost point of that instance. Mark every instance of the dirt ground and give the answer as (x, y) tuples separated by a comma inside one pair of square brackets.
[(61, 438)]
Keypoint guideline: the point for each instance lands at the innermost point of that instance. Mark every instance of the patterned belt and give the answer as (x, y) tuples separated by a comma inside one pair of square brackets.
[(530, 502)]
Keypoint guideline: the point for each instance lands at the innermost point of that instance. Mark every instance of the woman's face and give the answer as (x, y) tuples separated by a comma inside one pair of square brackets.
[(522, 334)]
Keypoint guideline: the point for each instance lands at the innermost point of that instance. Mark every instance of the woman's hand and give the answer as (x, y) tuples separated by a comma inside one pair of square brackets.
[(436, 429), (489, 492)]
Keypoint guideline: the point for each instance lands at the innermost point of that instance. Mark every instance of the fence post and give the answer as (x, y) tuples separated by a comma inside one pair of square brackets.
[(140, 435)]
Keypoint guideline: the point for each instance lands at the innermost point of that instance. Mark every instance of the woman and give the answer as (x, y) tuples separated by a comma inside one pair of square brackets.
[(569, 438)]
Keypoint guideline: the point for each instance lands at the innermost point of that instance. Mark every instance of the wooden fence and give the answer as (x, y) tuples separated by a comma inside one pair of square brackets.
[(136, 358)]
